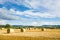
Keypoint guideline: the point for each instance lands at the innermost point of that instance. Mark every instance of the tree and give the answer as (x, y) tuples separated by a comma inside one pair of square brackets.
[(7, 26), (0, 27)]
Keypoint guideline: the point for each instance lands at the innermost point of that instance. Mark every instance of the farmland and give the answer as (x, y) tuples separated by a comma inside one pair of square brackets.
[(33, 34)]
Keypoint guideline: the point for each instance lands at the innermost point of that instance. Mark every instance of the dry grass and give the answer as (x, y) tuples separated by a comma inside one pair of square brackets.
[(25, 38), (37, 34)]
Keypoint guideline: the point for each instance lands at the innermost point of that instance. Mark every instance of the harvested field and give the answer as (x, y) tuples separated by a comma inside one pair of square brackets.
[(48, 34)]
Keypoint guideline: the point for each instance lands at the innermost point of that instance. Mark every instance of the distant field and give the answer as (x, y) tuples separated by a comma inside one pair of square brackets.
[(34, 34)]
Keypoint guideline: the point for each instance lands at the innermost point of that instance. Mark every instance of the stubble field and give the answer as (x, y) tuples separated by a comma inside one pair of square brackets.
[(33, 34)]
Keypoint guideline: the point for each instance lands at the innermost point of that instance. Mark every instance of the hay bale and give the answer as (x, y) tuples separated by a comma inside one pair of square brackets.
[(11, 30), (2, 28), (22, 30), (8, 30), (42, 29)]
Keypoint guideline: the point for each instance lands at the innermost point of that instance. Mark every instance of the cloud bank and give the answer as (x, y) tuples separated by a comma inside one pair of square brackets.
[(44, 11)]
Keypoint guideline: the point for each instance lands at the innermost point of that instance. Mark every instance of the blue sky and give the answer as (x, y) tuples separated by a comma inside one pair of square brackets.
[(30, 12)]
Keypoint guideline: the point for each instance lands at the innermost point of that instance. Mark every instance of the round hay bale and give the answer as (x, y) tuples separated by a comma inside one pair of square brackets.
[(42, 29), (22, 30), (8, 30), (2, 28), (11, 30)]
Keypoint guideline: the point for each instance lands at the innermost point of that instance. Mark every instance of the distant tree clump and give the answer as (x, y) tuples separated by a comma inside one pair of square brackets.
[(7, 26)]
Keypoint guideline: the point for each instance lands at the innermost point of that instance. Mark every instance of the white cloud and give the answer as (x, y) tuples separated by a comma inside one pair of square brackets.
[(5, 14), (50, 4), (53, 7), (2, 1), (2, 22), (33, 3), (35, 23), (30, 13), (44, 23), (11, 14), (38, 14)]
